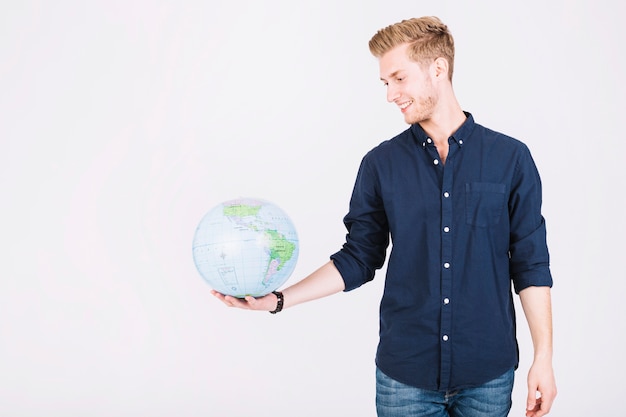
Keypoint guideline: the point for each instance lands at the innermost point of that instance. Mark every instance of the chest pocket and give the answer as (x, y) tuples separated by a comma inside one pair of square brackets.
[(484, 203)]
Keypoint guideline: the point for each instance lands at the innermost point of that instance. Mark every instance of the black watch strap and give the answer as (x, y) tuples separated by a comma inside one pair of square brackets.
[(279, 303)]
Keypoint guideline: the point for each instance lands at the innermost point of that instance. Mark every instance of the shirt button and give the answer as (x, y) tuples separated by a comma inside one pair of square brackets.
[(436, 162), (429, 140), (446, 300), (461, 142), (446, 194), (446, 229), (446, 265), (445, 337)]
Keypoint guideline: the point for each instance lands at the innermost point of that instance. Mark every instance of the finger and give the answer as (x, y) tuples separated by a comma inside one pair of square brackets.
[(228, 300), (536, 410), (218, 295), (544, 407), (236, 302), (532, 404)]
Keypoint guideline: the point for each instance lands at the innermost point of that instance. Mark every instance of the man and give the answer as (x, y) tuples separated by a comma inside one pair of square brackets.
[(462, 206)]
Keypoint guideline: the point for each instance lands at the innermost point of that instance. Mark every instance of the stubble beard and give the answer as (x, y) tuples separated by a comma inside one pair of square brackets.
[(423, 110)]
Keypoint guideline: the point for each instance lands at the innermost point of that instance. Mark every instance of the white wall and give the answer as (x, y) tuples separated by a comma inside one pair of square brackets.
[(123, 122)]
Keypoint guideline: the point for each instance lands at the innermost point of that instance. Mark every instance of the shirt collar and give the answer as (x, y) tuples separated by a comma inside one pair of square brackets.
[(460, 136)]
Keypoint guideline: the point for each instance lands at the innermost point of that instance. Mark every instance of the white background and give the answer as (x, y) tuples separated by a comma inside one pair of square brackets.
[(123, 122)]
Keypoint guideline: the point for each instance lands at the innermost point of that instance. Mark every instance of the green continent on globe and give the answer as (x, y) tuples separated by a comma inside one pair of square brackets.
[(241, 210), (281, 249)]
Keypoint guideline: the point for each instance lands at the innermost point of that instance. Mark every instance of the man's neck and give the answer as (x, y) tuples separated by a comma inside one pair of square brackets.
[(441, 128), (444, 123)]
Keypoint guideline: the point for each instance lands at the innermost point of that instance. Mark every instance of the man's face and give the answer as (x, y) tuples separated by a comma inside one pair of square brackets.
[(409, 85)]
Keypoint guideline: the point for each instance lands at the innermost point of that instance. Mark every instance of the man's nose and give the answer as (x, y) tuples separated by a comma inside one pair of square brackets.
[(392, 93)]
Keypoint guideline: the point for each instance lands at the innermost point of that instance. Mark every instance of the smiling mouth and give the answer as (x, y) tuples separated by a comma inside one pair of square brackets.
[(406, 104)]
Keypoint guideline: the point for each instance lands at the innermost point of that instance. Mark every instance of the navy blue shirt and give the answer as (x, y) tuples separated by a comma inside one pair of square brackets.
[(463, 234)]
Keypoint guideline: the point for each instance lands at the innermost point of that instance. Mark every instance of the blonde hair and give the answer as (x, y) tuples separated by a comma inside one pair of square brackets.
[(427, 36)]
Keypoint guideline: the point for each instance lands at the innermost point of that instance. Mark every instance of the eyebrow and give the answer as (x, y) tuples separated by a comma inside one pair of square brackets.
[(392, 75)]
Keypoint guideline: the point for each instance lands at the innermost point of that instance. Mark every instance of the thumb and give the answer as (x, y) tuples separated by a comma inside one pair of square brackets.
[(251, 300), (533, 401)]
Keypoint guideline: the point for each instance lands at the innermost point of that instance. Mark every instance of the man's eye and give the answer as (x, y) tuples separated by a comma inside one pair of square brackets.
[(399, 79)]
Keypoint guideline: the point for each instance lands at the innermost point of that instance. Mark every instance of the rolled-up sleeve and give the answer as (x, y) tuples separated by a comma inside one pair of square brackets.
[(529, 262), (368, 232)]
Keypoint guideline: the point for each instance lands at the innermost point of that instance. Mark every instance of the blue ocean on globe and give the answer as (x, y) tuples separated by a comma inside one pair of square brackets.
[(245, 247)]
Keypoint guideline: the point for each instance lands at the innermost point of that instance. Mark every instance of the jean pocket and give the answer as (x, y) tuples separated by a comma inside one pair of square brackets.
[(484, 203)]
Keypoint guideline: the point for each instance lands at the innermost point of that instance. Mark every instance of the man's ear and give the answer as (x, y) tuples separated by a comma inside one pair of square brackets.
[(441, 68)]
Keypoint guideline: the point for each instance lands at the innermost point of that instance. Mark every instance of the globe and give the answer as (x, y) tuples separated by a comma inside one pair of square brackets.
[(245, 247)]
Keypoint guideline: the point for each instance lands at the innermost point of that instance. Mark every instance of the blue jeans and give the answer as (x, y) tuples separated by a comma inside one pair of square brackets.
[(395, 399)]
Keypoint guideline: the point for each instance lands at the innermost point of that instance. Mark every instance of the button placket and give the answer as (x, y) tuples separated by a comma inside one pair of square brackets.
[(446, 268)]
